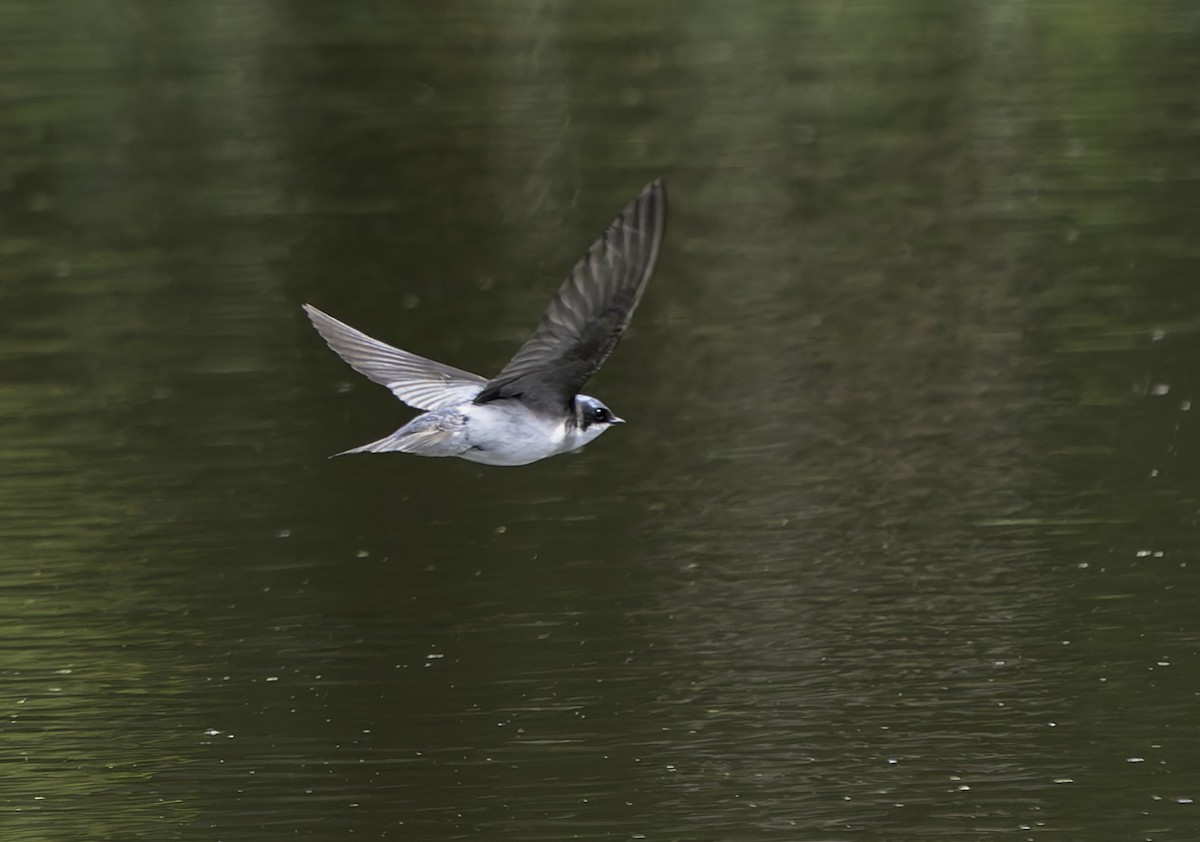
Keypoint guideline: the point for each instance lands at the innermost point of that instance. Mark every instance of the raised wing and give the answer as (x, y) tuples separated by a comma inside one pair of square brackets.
[(420, 383), (589, 313)]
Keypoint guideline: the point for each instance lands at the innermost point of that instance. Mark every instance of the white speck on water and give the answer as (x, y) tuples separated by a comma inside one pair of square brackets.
[(1064, 780), (1159, 389), (284, 533), (1184, 406), (1135, 760), (362, 554)]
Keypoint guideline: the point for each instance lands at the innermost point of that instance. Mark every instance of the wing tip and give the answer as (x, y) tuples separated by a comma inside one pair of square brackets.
[(655, 195), (318, 317), (656, 189)]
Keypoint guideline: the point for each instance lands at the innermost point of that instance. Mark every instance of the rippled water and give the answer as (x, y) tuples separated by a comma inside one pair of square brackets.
[(900, 540)]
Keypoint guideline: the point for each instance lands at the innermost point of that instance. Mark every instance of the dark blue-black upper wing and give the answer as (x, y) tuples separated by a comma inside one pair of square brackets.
[(590, 311)]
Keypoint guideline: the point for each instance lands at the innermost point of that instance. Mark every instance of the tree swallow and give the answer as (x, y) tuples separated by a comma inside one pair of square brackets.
[(532, 409)]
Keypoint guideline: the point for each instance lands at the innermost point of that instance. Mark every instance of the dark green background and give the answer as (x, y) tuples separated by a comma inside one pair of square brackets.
[(900, 540)]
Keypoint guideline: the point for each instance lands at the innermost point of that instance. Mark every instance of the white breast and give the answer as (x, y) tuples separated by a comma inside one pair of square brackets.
[(506, 433)]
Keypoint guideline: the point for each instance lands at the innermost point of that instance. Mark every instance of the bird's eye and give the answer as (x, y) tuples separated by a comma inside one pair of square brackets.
[(600, 413)]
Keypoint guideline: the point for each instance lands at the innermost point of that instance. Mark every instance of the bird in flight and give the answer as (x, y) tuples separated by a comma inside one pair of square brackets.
[(533, 408)]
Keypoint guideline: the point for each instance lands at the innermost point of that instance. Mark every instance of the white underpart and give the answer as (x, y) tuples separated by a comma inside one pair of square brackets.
[(507, 433)]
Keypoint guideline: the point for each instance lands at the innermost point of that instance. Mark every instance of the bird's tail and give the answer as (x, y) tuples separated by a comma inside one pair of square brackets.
[(423, 436), (383, 445)]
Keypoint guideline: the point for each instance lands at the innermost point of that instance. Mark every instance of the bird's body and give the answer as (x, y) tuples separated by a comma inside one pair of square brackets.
[(532, 409), (502, 432)]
